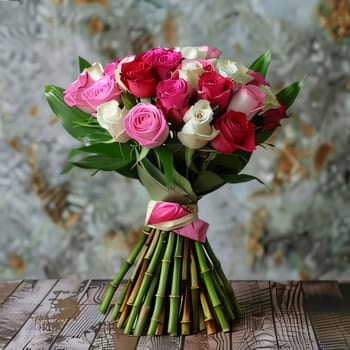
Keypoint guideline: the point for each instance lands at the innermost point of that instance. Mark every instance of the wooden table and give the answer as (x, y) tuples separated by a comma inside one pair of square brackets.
[(63, 314)]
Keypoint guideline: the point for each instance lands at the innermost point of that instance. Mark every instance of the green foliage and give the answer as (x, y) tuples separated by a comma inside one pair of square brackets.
[(288, 95), (83, 63), (261, 64)]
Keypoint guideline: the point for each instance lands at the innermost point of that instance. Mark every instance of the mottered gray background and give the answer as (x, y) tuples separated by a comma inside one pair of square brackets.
[(54, 226)]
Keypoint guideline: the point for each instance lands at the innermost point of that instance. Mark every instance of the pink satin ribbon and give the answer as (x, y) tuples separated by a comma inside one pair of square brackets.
[(178, 218)]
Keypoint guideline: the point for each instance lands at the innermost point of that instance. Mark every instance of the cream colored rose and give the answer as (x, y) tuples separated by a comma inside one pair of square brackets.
[(197, 131), (110, 116), (95, 71), (235, 71), (190, 71), (192, 52), (270, 100)]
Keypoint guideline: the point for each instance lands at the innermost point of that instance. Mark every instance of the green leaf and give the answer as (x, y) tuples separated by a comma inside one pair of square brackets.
[(238, 178), (128, 99), (188, 156), (288, 95), (206, 182), (102, 163), (73, 119), (262, 135), (114, 149), (83, 63), (261, 64), (166, 159), (142, 154), (67, 169)]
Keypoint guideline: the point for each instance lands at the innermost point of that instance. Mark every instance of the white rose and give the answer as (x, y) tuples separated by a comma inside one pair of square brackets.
[(235, 71), (197, 130), (110, 116), (270, 100), (190, 71), (192, 52), (95, 71)]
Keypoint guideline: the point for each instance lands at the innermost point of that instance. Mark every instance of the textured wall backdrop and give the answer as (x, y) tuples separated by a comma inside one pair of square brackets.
[(54, 225)]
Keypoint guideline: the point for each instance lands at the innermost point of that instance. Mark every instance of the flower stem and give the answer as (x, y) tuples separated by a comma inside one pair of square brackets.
[(119, 302), (123, 270), (186, 313), (156, 248), (209, 321), (229, 290), (209, 283), (194, 292), (160, 295), (175, 288)]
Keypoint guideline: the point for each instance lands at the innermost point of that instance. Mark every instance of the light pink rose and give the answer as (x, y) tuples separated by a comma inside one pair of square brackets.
[(249, 99), (73, 94), (146, 124), (103, 90), (162, 60), (211, 52)]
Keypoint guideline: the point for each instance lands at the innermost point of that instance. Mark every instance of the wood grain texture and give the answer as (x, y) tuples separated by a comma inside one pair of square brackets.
[(255, 328), (293, 326), (18, 307), (6, 288), (276, 315), (329, 313), (49, 317), (79, 333)]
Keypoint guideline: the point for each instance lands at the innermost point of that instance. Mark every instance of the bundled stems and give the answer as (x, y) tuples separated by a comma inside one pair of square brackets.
[(177, 286)]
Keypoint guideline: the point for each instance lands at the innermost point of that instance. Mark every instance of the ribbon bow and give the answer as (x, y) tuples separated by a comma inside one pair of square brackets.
[(182, 219)]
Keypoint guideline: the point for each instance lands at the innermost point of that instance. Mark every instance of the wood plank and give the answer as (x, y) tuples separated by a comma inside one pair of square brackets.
[(6, 288), (197, 341), (49, 317), (18, 307), (80, 333), (109, 337), (255, 328), (292, 324), (329, 314), (159, 343)]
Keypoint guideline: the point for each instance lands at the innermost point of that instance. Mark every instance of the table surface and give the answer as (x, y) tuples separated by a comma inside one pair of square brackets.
[(63, 314)]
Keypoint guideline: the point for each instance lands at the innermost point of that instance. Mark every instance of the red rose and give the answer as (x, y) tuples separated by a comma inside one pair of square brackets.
[(215, 88), (258, 79), (172, 96), (139, 78), (236, 132), (273, 116), (162, 60)]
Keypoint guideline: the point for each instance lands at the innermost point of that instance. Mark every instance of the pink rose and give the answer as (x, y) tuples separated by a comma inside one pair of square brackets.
[(215, 88), (103, 90), (162, 60), (172, 98), (249, 99), (273, 116), (73, 94), (146, 124), (211, 52), (258, 78), (139, 78), (236, 132)]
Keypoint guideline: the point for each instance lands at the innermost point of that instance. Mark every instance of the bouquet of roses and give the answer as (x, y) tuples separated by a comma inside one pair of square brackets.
[(184, 123)]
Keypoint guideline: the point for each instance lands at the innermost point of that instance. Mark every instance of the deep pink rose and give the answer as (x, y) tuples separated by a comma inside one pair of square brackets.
[(146, 124), (258, 78), (236, 132), (249, 99), (211, 52), (102, 90), (215, 88), (273, 116), (73, 94), (172, 98), (139, 78), (162, 60)]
